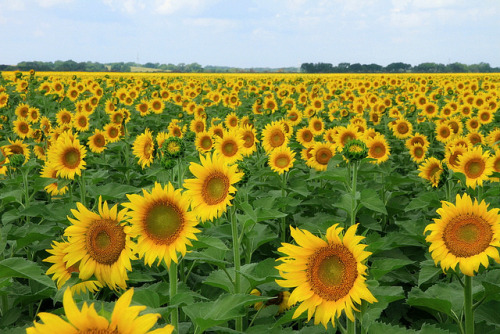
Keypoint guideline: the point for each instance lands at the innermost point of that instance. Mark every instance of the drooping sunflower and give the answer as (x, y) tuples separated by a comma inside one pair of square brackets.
[(123, 319), (249, 136), (431, 170), (48, 171), (476, 165), (230, 146), (212, 186), (328, 277), (143, 148), (163, 222), (321, 154), (467, 234), (281, 159), (97, 142), (66, 156), (378, 148), (273, 136), (101, 243), (61, 273)]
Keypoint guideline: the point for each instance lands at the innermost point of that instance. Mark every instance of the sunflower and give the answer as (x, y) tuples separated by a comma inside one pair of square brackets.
[(466, 233), (444, 132), (231, 120), (22, 128), (321, 154), (378, 149), (305, 137), (281, 159), (124, 319), (112, 132), (249, 136), (417, 152), (328, 277), (4, 98), (81, 122), (203, 142), (496, 165), (4, 159), (48, 171), (143, 108), (163, 223), (101, 244), (473, 124), (197, 125), (476, 166), (452, 156), (212, 186), (273, 136), (97, 142), (347, 133), (485, 116), (45, 125), (217, 130), (431, 170), (316, 125), (18, 147), (66, 155), (230, 146), (143, 148), (294, 116), (64, 117), (157, 105), (22, 110), (402, 129), (475, 138), (34, 115), (61, 273), (493, 138)]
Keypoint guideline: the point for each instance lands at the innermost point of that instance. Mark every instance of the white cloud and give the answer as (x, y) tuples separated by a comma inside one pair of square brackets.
[(211, 23), (50, 3), (127, 6), (168, 7)]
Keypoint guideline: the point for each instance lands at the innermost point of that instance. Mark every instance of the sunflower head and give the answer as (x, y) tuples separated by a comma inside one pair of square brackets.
[(173, 147), (355, 150)]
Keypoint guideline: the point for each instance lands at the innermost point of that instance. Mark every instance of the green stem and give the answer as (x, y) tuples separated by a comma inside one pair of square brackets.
[(283, 195), (351, 325), (83, 191), (354, 203), (469, 313), (172, 273), (237, 261)]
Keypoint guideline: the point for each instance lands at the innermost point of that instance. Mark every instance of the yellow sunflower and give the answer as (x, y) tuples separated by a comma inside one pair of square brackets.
[(444, 132), (66, 155), (316, 125), (402, 129), (212, 186), (64, 117), (281, 159), (197, 125), (163, 222), (48, 171), (294, 116), (328, 277), (22, 128), (249, 136), (123, 319), (493, 138), (18, 147), (378, 148), (97, 142), (305, 137), (230, 146), (467, 234), (273, 136), (4, 159), (476, 165), (345, 134), (143, 148), (417, 152), (81, 122), (431, 170), (112, 132), (321, 154), (452, 155), (101, 243), (204, 142)]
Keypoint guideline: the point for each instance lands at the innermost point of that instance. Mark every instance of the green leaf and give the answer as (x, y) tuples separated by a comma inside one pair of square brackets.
[(205, 241), (22, 268), (371, 200), (380, 327), (113, 191), (385, 295), (209, 255), (440, 297), (424, 200), (382, 266), (225, 308), (428, 271), (263, 272)]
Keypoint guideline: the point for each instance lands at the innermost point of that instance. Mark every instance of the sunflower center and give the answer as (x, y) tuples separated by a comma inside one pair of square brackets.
[(323, 155), (282, 161), (474, 168), (249, 139), (163, 222), (229, 148), (467, 235), (332, 272), (307, 136), (105, 241), (72, 158), (277, 138), (99, 141), (377, 150), (403, 128), (206, 143), (215, 188)]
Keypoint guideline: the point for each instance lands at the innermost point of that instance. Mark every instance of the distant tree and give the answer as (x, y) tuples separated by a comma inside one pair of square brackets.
[(398, 67), (343, 67), (152, 65), (457, 68)]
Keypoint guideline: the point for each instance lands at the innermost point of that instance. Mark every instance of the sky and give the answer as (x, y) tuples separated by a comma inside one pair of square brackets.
[(251, 33)]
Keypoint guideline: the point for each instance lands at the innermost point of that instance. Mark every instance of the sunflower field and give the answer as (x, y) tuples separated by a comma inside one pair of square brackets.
[(255, 203)]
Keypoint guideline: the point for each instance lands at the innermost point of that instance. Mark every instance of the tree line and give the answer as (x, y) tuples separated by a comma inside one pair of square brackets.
[(398, 67)]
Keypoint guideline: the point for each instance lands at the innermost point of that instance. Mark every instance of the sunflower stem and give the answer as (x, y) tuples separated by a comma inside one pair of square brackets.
[(172, 273), (469, 312), (283, 195), (83, 192), (354, 203), (351, 325), (237, 261)]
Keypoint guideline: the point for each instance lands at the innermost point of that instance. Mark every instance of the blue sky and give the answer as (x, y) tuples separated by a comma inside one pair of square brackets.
[(251, 33)]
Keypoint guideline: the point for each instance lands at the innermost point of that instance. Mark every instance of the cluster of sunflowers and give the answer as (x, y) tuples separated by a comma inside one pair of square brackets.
[(438, 125)]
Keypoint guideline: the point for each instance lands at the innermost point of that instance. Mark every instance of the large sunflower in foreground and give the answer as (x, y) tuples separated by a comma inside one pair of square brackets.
[(143, 148), (211, 189), (328, 276), (163, 223), (101, 244), (66, 155), (467, 234), (124, 319)]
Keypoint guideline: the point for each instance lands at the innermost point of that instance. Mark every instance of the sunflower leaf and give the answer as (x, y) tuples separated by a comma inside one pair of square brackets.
[(22, 268)]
